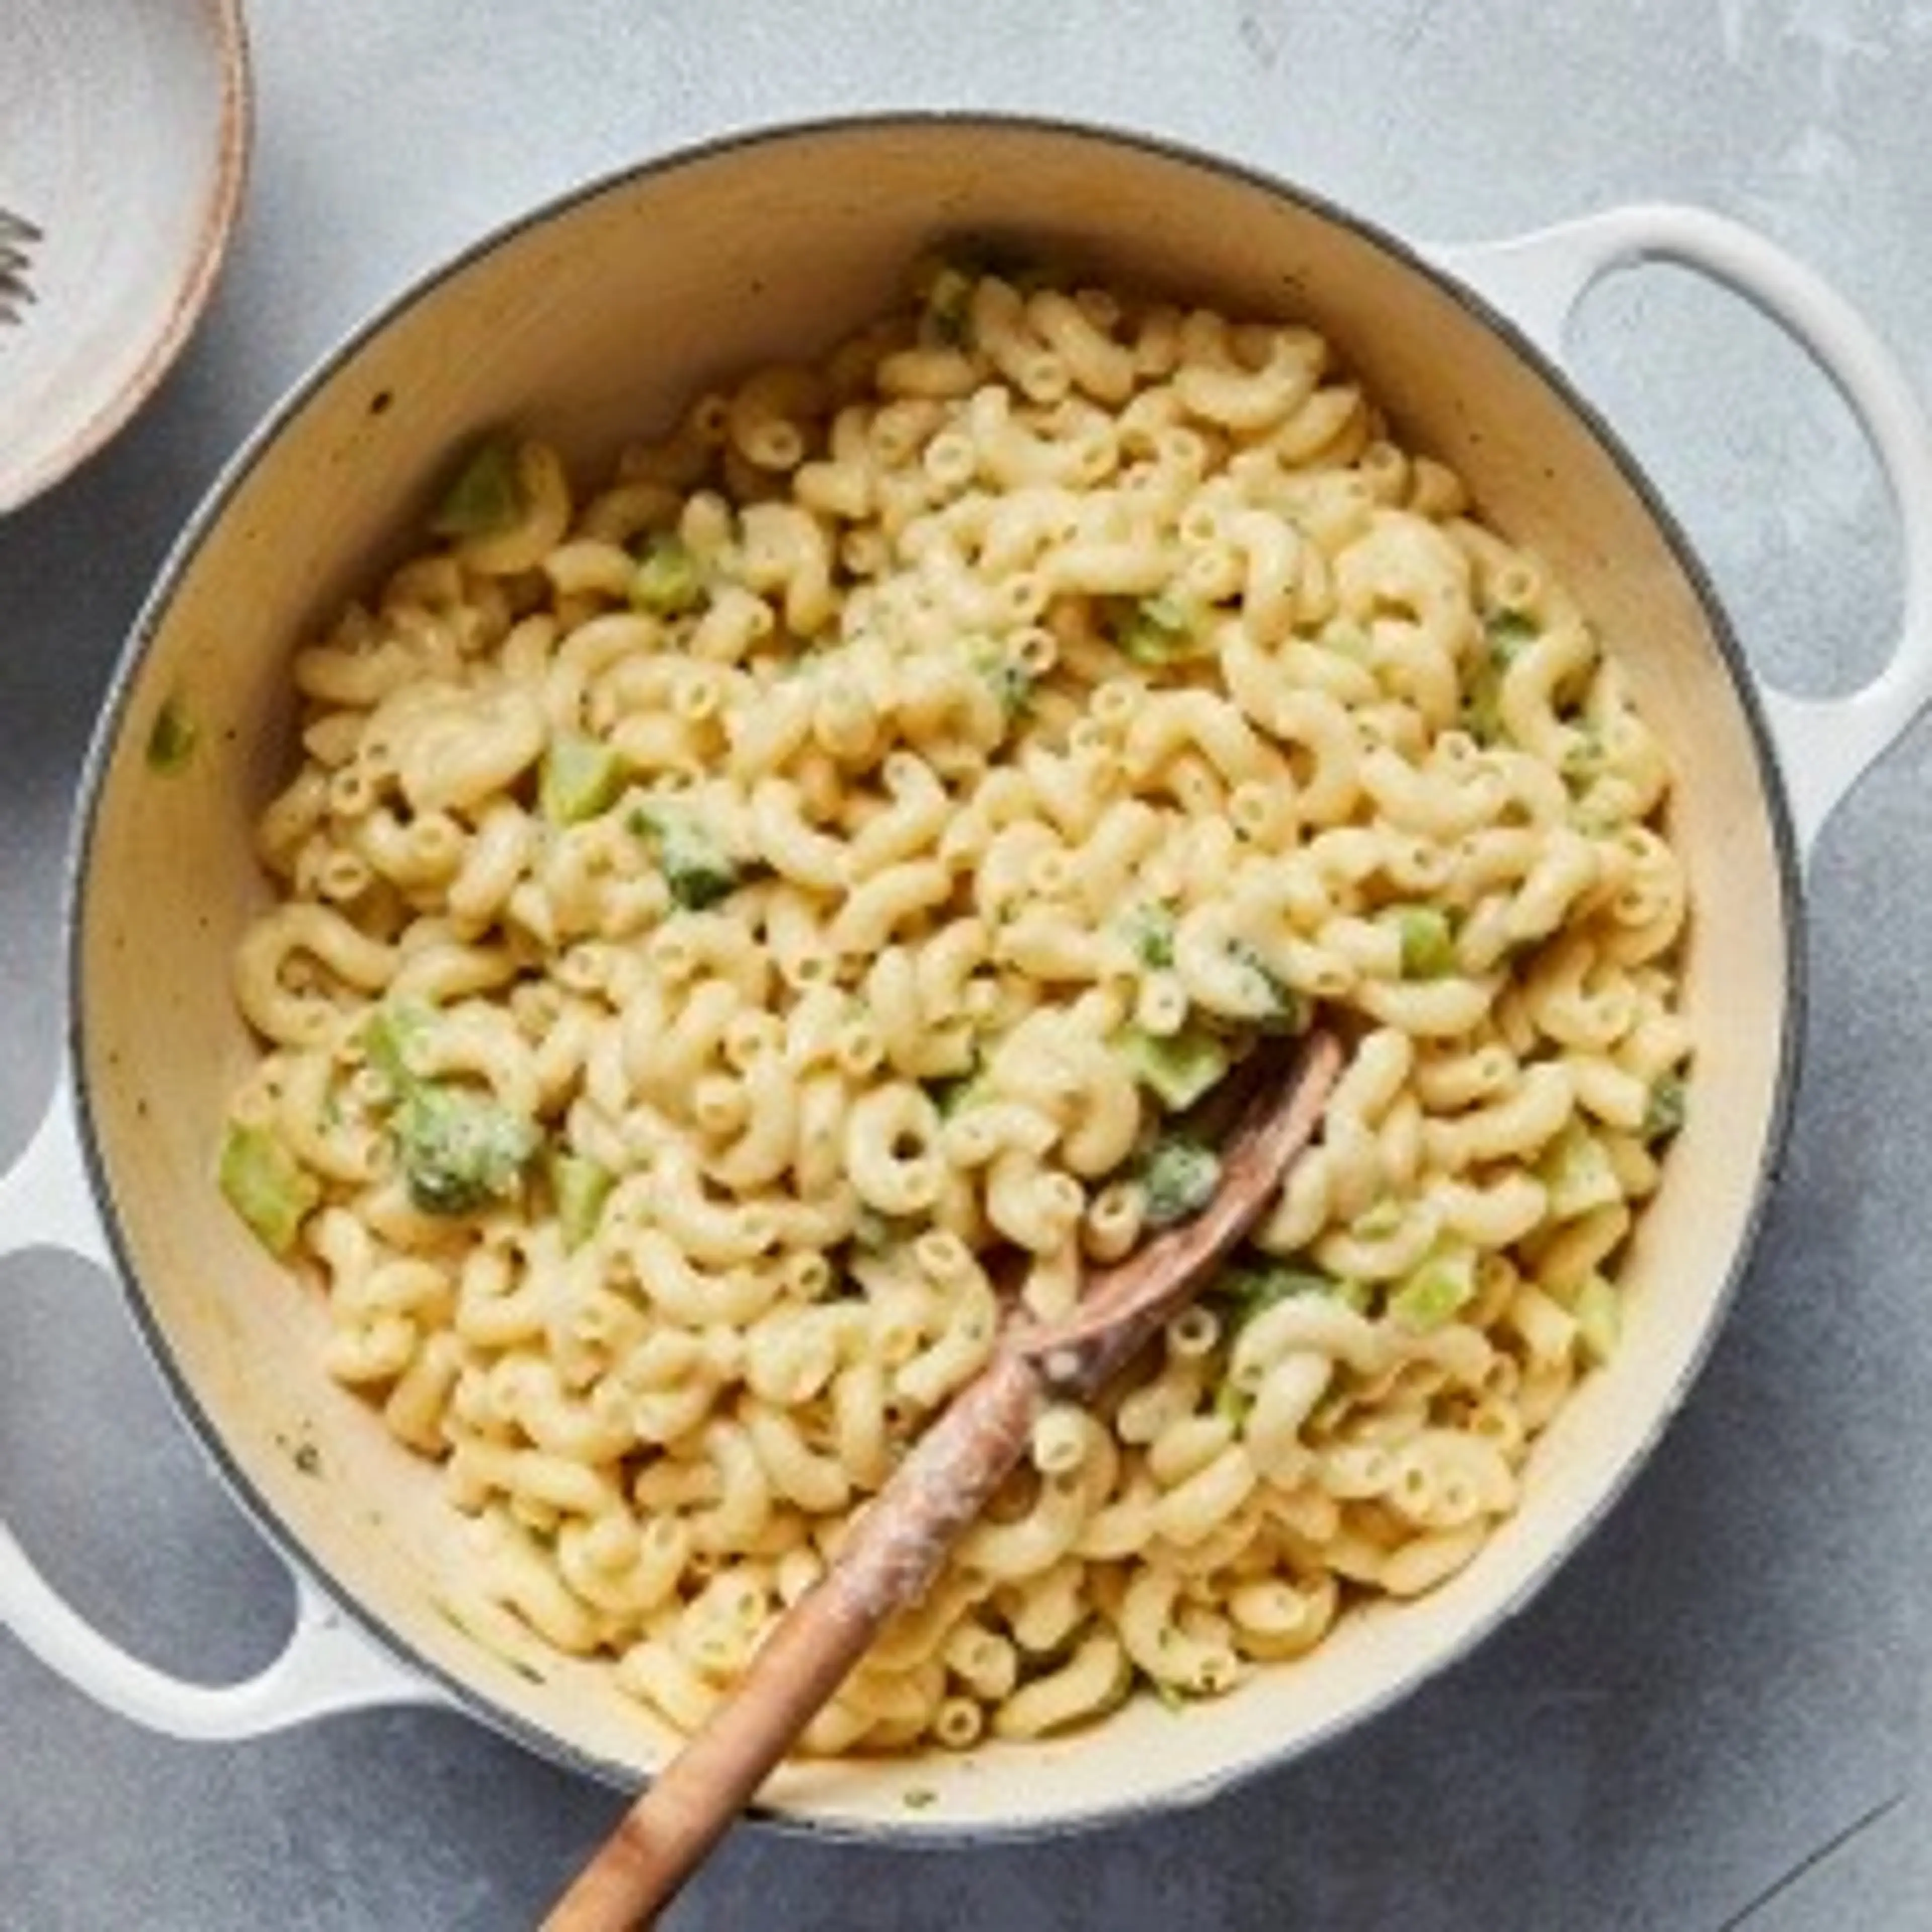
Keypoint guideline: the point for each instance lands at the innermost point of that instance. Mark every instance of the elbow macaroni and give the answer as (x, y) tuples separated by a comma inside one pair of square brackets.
[(1055, 668)]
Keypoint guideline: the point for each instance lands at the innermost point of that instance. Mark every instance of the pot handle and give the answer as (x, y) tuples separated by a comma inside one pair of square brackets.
[(1824, 745), (327, 1664)]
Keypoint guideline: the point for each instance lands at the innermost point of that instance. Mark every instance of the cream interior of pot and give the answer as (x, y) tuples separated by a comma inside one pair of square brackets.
[(594, 324)]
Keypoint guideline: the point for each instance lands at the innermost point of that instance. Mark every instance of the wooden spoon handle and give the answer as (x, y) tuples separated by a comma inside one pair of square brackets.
[(895, 1547), (890, 1555)]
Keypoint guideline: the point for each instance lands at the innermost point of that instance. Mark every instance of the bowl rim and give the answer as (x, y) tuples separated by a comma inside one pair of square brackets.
[(224, 25), (918, 1830)]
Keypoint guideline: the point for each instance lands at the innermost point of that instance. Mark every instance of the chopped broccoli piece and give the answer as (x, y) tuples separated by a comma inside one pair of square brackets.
[(953, 1093), (1005, 676), (1148, 927), (873, 1233), (1442, 1287), (1177, 1177), (1428, 941), (1282, 1010), (1597, 1309), (486, 497), (1012, 685), (1232, 1403), (697, 869), (1481, 717), (390, 1039), (580, 1186), (1250, 1286), (1576, 1168), (1162, 630), (1583, 756), (1378, 1220), (1664, 1113), (264, 1183), (1505, 633), (459, 1149), (948, 305), (668, 581), (1168, 1695), (579, 777), (1177, 1069)]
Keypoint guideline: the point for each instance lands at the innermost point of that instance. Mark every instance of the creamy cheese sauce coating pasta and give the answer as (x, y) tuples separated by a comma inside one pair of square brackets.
[(744, 923)]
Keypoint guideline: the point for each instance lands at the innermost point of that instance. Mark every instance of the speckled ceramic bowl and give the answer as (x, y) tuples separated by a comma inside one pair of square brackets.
[(603, 312), (127, 133)]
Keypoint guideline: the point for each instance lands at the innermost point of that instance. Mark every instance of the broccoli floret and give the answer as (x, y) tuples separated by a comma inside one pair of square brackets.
[(1249, 1286), (459, 1149), (1177, 1069), (668, 580), (1255, 1283), (1178, 1179), (265, 1184), (697, 869)]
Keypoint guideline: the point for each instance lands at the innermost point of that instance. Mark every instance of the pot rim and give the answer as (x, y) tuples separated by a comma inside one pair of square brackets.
[(916, 1831)]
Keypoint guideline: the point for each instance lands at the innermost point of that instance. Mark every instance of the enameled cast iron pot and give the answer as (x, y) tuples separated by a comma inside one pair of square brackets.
[(594, 318)]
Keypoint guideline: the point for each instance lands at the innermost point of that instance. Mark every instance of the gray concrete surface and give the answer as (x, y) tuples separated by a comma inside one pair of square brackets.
[(1716, 1717)]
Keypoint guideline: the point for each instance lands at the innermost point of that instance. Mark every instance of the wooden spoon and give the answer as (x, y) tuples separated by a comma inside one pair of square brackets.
[(894, 1549)]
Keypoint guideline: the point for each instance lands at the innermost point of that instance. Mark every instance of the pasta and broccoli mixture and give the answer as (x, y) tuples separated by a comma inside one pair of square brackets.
[(744, 925)]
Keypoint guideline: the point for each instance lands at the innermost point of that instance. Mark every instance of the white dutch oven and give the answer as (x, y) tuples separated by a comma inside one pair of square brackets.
[(597, 315)]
